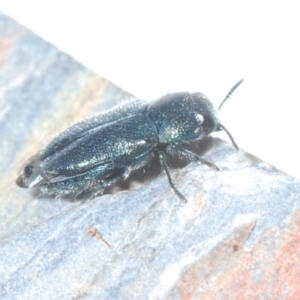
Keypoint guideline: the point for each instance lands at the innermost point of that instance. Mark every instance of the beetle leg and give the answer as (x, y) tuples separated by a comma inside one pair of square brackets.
[(96, 194), (193, 156), (110, 177), (165, 166)]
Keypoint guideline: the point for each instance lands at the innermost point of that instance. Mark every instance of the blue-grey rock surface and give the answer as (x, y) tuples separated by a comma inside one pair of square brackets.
[(237, 236)]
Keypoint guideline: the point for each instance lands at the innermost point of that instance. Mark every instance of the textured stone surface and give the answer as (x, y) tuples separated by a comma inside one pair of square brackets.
[(236, 238)]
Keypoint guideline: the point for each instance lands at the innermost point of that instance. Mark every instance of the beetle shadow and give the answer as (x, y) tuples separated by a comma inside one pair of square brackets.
[(139, 178), (150, 172)]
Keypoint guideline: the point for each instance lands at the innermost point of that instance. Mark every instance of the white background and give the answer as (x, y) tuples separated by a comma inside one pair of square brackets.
[(155, 47)]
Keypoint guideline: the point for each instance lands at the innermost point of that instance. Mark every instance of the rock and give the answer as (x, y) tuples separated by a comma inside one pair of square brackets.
[(43, 91), (236, 238)]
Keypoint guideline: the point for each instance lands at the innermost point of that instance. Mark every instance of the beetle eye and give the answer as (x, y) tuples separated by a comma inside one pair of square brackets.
[(209, 125), (199, 118)]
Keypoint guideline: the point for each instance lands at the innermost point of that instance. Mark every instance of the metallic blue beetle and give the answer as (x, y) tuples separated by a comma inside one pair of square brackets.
[(96, 153)]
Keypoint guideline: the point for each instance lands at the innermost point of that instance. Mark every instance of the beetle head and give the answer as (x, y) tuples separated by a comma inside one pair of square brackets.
[(206, 111)]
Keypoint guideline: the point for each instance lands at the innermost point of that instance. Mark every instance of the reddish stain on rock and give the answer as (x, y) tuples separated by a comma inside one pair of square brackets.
[(5, 49), (270, 270)]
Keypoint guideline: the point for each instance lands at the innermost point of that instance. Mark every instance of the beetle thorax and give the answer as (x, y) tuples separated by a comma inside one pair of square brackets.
[(175, 118)]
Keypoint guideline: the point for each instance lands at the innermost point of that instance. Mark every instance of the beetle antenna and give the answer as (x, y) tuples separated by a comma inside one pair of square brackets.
[(229, 94), (230, 136)]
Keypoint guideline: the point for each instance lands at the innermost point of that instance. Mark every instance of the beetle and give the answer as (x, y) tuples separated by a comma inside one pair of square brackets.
[(98, 152)]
